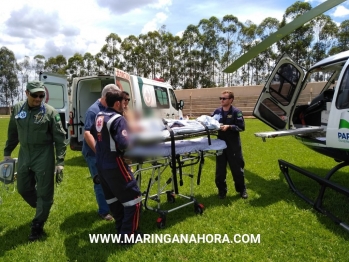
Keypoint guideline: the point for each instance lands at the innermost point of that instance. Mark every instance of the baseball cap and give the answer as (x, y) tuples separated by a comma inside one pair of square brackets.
[(35, 86)]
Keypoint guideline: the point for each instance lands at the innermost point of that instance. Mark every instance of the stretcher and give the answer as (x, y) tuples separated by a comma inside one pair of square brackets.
[(178, 153)]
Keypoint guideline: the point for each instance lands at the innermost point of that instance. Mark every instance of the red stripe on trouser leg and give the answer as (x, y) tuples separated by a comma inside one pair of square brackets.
[(123, 169), (136, 217)]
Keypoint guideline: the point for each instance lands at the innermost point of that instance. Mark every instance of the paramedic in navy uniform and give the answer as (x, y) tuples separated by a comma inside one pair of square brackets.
[(232, 123), (119, 185), (88, 150)]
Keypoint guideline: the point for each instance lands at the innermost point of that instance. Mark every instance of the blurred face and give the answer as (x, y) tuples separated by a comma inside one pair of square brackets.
[(225, 100), (126, 101), (123, 104), (35, 99), (119, 106)]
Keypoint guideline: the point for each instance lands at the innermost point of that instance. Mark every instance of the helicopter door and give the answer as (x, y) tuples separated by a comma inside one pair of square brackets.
[(280, 94)]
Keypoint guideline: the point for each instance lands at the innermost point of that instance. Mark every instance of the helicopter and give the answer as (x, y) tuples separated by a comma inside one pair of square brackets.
[(321, 124)]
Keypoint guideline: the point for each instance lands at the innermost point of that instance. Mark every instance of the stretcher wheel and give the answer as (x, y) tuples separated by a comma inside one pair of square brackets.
[(161, 222), (96, 180), (199, 209), (171, 198)]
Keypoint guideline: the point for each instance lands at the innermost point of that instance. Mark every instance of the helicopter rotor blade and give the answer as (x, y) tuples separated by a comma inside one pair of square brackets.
[(282, 32)]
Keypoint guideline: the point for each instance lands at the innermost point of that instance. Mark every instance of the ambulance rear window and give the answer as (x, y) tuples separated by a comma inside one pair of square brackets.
[(54, 95)]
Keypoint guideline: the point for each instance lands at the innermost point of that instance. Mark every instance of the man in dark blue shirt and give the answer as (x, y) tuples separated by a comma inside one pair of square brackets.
[(88, 149), (232, 123), (120, 188)]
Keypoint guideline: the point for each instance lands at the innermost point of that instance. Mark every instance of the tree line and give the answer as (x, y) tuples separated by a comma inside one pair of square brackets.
[(194, 60)]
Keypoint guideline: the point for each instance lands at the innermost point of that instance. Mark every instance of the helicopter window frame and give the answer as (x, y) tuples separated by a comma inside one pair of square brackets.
[(342, 100), (285, 83)]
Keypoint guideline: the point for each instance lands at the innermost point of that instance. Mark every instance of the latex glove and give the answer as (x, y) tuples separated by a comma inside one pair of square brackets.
[(59, 169), (59, 174), (7, 158)]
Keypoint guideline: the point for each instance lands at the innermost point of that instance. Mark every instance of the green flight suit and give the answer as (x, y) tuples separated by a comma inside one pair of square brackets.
[(38, 131)]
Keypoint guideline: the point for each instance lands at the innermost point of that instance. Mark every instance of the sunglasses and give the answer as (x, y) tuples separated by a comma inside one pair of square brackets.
[(223, 98), (36, 95)]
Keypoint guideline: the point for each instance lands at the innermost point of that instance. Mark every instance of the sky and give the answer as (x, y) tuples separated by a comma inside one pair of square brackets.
[(50, 28)]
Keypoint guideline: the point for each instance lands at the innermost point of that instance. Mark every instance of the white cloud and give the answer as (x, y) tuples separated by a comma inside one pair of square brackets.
[(257, 15), (68, 26), (341, 11), (180, 33), (58, 28), (122, 7), (315, 2), (155, 23), (162, 4)]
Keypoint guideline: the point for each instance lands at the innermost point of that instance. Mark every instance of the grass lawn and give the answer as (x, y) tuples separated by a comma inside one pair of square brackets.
[(289, 229)]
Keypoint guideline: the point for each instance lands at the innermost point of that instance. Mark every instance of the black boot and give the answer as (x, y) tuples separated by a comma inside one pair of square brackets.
[(37, 231)]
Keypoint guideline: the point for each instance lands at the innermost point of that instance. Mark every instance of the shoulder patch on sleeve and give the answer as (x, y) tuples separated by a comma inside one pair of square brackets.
[(58, 118), (99, 123), (239, 114)]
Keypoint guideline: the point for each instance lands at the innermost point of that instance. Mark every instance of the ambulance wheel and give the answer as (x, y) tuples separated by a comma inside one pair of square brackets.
[(199, 209), (161, 222), (171, 198)]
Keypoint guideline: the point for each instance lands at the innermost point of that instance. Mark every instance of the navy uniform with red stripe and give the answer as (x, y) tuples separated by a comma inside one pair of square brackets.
[(233, 153), (119, 185)]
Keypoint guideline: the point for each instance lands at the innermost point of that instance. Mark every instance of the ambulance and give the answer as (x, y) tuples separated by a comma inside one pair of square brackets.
[(149, 97)]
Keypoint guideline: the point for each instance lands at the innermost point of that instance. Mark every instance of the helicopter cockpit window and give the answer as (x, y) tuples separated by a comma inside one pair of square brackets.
[(343, 92), (284, 83)]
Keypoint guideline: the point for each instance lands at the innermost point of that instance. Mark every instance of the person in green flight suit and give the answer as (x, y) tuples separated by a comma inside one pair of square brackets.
[(37, 127)]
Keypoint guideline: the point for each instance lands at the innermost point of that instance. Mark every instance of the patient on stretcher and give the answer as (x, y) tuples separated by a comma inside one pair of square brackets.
[(156, 129)]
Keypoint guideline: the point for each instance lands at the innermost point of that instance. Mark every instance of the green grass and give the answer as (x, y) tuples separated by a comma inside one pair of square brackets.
[(290, 230)]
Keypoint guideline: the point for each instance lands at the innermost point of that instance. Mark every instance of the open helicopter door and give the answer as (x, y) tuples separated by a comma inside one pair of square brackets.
[(279, 95)]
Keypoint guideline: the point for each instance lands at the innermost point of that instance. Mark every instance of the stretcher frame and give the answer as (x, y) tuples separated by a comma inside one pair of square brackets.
[(161, 183), (176, 162)]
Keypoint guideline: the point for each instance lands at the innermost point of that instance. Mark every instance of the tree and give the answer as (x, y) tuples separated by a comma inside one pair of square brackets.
[(56, 64), (325, 32), (231, 28), (169, 61), (8, 76), (209, 42), (130, 50), (297, 44), (248, 40), (343, 36), (90, 64), (267, 27), (75, 67), (38, 65), (151, 45), (111, 53), (189, 49), (99, 67), (25, 68)]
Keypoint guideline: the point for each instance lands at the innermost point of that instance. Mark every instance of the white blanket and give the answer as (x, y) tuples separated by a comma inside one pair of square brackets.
[(182, 146), (153, 129)]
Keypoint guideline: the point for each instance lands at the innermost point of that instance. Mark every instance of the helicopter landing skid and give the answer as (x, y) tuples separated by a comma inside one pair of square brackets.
[(323, 182)]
